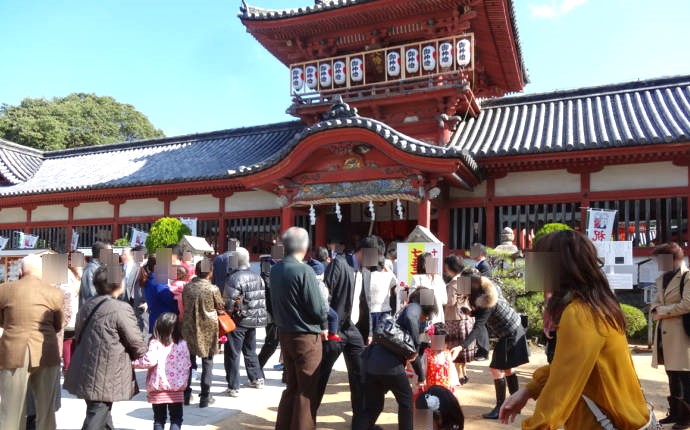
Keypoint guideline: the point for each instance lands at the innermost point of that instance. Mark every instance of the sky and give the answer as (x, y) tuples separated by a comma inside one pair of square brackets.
[(190, 66)]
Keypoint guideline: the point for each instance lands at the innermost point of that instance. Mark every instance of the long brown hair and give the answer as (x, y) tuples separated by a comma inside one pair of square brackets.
[(578, 274)]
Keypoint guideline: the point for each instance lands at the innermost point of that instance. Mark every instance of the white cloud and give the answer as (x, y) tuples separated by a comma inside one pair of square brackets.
[(554, 9)]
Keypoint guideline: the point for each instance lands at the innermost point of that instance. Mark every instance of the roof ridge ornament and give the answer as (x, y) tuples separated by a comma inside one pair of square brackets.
[(340, 110)]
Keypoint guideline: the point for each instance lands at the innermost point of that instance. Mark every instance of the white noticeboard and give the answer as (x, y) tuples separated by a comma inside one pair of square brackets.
[(618, 263)]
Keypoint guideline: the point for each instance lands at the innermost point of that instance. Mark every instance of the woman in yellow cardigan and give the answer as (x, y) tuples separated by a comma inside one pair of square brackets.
[(592, 371)]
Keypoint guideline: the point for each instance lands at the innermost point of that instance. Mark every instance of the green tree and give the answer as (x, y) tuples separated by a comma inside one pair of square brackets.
[(164, 232), (76, 120)]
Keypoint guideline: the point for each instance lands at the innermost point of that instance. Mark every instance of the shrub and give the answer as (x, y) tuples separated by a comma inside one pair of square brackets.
[(635, 321), (531, 304), (165, 231)]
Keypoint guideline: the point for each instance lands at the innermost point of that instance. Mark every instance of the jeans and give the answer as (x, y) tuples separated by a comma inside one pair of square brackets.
[(376, 387), (206, 376), (160, 415), (241, 341), (98, 416)]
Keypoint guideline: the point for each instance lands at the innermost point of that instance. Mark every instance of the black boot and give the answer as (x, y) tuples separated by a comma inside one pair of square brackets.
[(206, 400), (672, 414), (500, 385), (513, 383), (683, 417)]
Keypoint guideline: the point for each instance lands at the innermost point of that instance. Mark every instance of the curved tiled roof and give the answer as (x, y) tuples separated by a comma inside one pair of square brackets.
[(18, 163), (248, 12), (655, 111), (207, 156)]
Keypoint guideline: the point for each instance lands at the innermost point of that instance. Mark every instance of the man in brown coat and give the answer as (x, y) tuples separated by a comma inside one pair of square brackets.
[(31, 314)]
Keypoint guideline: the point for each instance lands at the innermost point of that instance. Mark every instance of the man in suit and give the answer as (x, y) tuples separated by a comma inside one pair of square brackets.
[(31, 314), (478, 254), (134, 290), (87, 289), (350, 299)]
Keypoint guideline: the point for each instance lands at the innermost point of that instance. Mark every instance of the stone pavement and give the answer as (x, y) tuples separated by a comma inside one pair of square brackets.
[(256, 409)]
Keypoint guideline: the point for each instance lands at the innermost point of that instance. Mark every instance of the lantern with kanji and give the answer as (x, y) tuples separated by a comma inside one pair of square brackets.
[(412, 60), (393, 63), (429, 58), (445, 55), (325, 77), (356, 69), (311, 76), (339, 72), (464, 54), (297, 78)]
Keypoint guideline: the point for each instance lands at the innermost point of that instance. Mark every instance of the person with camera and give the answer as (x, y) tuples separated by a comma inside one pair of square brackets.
[(245, 301)]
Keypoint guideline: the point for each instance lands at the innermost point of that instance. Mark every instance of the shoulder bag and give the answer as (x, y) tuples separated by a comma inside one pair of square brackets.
[(86, 322), (391, 336), (686, 317), (225, 324)]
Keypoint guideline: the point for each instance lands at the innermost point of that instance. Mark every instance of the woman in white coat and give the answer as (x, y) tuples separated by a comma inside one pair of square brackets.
[(671, 342), (427, 277)]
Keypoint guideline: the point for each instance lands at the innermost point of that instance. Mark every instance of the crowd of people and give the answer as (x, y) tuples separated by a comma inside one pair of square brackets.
[(411, 340)]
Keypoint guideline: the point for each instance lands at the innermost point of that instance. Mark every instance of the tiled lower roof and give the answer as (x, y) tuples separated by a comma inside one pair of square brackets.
[(17, 163), (648, 112)]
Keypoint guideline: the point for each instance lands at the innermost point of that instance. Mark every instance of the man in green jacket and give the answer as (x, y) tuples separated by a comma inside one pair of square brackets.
[(300, 314)]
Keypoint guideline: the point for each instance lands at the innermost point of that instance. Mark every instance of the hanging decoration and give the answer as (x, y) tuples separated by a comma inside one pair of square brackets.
[(429, 58), (372, 210), (338, 214), (393, 63), (297, 78), (464, 55), (412, 55), (356, 69), (312, 215), (325, 75), (399, 208), (311, 77), (445, 56), (339, 72)]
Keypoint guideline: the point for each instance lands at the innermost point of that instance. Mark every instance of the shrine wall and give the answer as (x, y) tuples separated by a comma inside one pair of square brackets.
[(251, 201), (204, 203), (94, 210), (142, 207), (662, 174), (50, 213), (540, 182), (12, 215)]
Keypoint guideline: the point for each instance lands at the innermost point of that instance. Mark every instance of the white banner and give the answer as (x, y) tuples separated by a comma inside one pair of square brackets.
[(138, 238), (75, 240), (27, 241), (191, 223), (3, 242), (600, 224)]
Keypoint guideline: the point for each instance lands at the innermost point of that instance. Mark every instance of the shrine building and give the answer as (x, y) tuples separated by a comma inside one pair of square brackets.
[(406, 113)]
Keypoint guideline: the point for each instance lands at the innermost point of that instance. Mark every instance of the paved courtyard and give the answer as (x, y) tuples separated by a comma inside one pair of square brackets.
[(256, 409)]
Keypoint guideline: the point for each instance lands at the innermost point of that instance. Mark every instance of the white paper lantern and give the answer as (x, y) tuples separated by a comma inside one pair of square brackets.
[(393, 63), (356, 69), (445, 54), (412, 60), (311, 77), (325, 77), (297, 78), (464, 54), (429, 58), (339, 72)]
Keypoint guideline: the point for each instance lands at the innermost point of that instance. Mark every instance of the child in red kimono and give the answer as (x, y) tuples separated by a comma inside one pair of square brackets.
[(440, 369)]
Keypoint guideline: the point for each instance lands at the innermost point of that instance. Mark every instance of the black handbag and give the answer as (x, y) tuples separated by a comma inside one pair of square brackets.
[(686, 317), (391, 336)]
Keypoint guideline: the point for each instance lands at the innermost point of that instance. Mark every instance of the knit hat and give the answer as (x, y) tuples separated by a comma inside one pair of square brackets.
[(317, 266)]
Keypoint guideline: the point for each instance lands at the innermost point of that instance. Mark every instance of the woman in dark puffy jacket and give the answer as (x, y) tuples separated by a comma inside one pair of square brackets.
[(108, 339), (386, 371), (491, 310)]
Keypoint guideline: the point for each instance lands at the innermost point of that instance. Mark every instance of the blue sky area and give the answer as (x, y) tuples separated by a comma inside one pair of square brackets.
[(191, 67)]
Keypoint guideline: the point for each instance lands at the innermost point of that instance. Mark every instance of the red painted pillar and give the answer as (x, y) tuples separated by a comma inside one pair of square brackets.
[(424, 213), (287, 218), (443, 230)]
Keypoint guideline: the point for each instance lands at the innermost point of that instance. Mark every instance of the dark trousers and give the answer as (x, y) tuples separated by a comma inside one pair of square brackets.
[(98, 416), (376, 387), (679, 384), (352, 347), (270, 344), (206, 376), (160, 415), (302, 355), (241, 341)]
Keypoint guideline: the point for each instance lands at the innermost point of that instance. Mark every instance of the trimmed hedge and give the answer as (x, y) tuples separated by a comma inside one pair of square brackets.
[(550, 228), (635, 320)]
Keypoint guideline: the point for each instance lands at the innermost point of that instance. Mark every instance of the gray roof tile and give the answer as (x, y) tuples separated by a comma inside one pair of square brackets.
[(635, 113)]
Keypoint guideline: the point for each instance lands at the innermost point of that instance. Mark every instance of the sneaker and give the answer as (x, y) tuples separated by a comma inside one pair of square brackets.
[(231, 393), (334, 337), (258, 384)]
